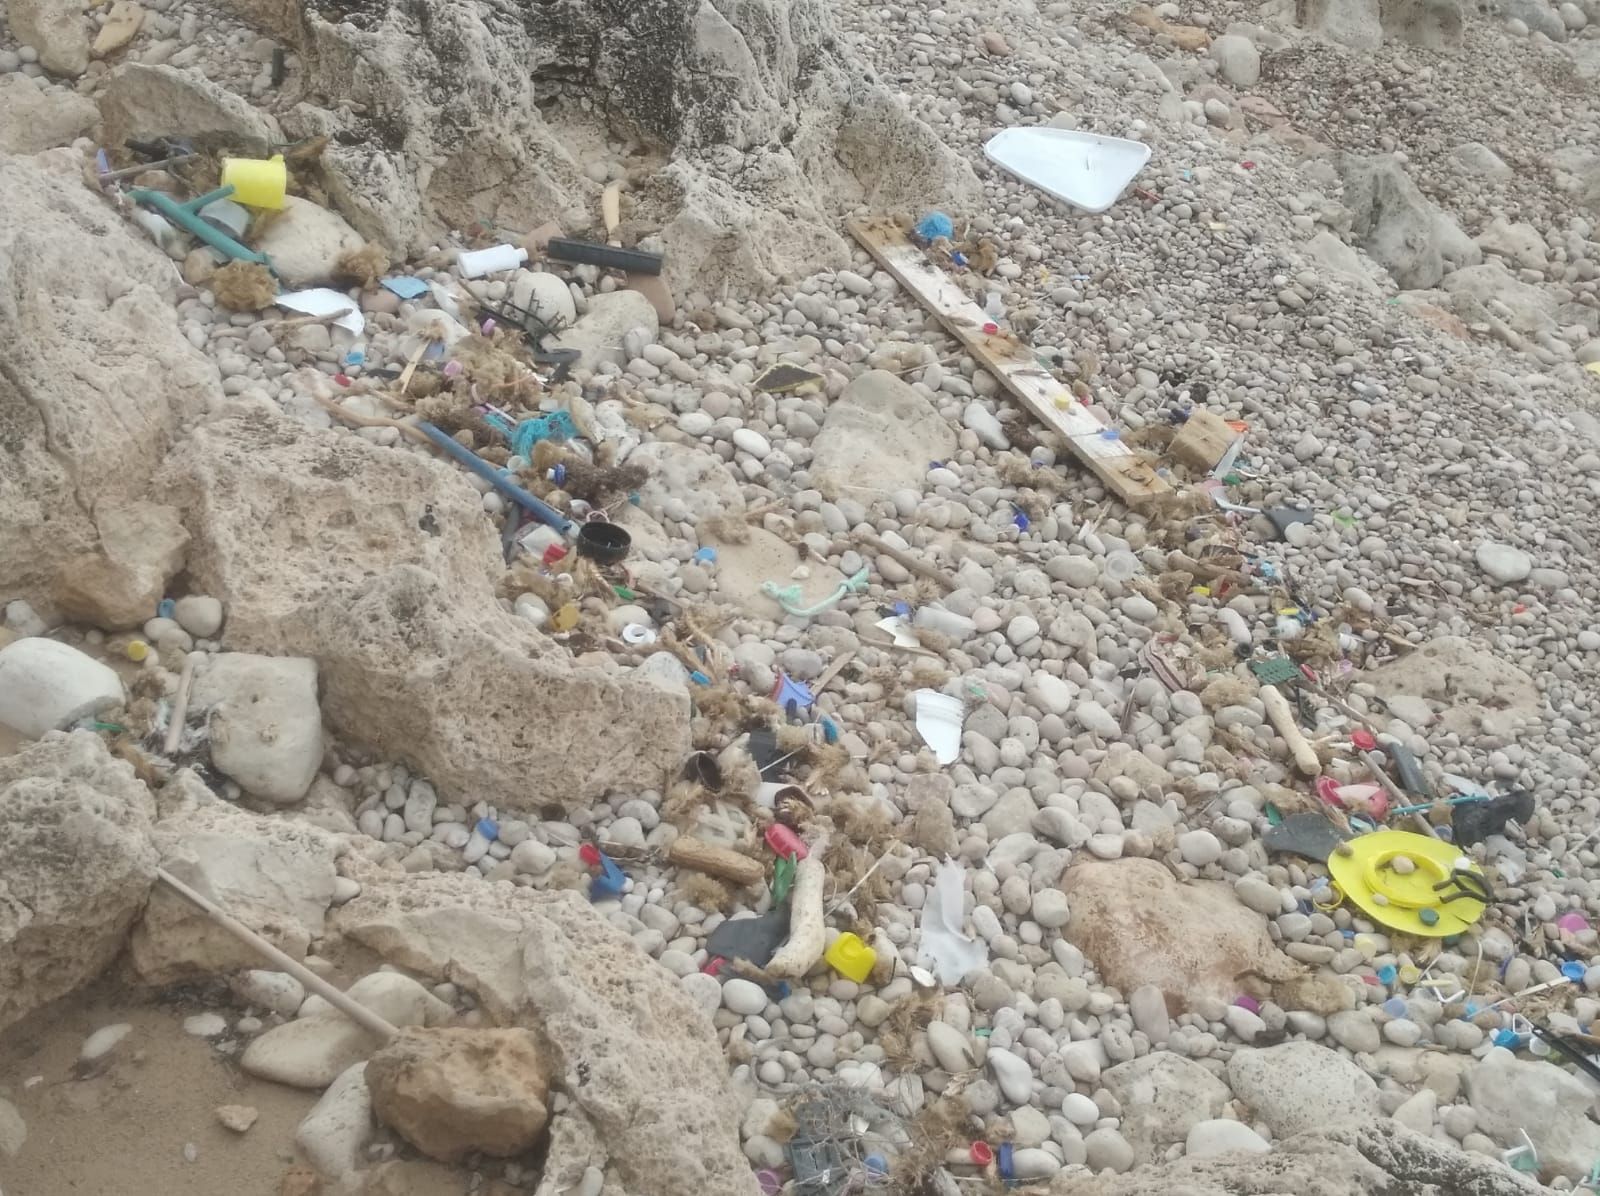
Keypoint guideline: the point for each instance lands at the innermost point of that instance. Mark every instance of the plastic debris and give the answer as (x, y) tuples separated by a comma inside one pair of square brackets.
[(949, 953), (790, 597), (851, 958), (752, 939), (1085, 170), (933, 226), (405, 286), (939, 719), (327, 302)]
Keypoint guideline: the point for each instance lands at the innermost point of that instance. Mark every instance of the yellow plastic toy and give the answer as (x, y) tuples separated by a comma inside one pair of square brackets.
[(851, 958), (1412, 883)]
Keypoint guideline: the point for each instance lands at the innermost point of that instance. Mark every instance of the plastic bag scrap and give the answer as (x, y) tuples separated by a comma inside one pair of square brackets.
[(944, 948)]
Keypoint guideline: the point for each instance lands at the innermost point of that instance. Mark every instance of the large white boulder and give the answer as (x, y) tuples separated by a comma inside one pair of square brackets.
[(46, 685)]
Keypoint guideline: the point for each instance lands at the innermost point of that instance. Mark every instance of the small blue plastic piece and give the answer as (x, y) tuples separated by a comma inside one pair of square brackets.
[(558, 474), (1387, 973), (790, 690), (405, 287), (876, 1164), (699, 678), (1509, 1039), (1003, 1159), (935, 224), (1021, 521), (903, 609), (166, 607), (1395, 1006), (830, 731), (355, 357), (489, 829), (958, 258), (706, 556), (611, 881), (1573, 970)]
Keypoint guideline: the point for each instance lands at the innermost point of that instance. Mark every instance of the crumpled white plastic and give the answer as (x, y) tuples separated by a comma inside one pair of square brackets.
[(944, 948)]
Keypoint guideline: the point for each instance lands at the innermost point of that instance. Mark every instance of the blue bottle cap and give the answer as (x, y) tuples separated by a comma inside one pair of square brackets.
[(1573, 970), (166, 607)]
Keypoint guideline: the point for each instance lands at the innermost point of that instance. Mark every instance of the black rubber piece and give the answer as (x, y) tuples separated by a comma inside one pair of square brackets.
[(612, 257)]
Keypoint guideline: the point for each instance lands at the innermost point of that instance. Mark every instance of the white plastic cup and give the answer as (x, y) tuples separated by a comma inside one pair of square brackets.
[(475, 263)]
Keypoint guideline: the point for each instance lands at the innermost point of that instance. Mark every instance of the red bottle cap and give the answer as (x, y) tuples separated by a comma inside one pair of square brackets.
[(1364, 740), (589, 854)]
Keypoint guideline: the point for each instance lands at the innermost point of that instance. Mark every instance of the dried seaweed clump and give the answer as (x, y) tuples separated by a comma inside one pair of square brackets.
[(361, 267), (244, 286)]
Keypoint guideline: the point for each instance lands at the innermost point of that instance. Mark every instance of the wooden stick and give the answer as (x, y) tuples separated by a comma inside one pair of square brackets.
[(354, 1010), (1305, 757), (180, 705), (1127, 475), (720, 862), (916, 564), (832, 671), (369, 421)]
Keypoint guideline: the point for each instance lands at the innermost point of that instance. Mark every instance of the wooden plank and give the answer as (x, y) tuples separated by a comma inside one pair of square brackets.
[(1129, 476)]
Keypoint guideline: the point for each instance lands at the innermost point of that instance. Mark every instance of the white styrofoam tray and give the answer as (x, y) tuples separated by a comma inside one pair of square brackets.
[(1085, 170)]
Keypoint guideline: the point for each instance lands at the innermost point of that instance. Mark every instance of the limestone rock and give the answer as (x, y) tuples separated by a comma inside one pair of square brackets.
[(1519, 243), (1354, 24), (1379, 1159), (334, 1135), (34, 119), (1473, 682), (680, 475), (1399, 228), (1163, 1097), (656, 1086), (1139, 926), (381, 567), (1237, 60), (1221, 1136), (1490, 294), (599, 333), (273, 875), (1435, 24), (305, 242), (451, 1093), (266, 726), (879, 433), (709, 87), (117, 586), (1510, 1094), (1504, 564), (46, 685), (58, 29), (1300, 1087), (543, 294), (98, 378), (322, 1043), (140, 100), (75, 838)]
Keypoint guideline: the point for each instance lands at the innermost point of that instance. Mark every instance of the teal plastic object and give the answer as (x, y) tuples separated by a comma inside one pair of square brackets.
[(187, 217)]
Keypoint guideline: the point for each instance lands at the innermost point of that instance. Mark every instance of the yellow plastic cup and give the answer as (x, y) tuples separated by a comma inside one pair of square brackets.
[(851, 958), (257, 182)]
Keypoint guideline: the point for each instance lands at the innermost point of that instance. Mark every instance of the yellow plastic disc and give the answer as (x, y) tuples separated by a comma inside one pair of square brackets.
[(565, 618), (137, 650), (1365, 875)]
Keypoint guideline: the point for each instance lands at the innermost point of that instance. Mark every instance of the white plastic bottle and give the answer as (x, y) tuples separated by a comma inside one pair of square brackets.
[(476, 263)]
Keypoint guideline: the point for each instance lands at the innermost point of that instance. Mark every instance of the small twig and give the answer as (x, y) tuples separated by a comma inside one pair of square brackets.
[(832, 671), (369, 421), (180, 705), (916, 564)]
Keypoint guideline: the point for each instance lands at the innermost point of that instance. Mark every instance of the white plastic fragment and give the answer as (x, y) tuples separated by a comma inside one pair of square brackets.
[(944, 948)]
